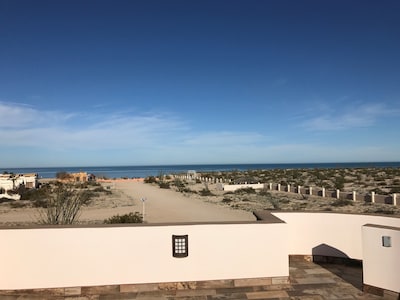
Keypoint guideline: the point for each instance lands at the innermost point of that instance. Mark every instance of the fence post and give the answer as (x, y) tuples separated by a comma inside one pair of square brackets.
[(337, 194), (299, 189), (279, 187), (288, 188), (354, 196), (310, 190), (323, 192), (373, 197), (394, 199), (270, 186)]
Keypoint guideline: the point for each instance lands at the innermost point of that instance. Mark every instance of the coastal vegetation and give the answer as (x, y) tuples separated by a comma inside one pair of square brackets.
[(383, 181), (131, 217)]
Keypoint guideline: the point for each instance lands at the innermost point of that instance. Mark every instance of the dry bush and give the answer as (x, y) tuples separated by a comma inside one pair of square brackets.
[(63, 205)]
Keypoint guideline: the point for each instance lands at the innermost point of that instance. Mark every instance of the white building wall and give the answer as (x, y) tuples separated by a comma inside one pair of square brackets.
[(311, 233), (64, 257), (381, 265)]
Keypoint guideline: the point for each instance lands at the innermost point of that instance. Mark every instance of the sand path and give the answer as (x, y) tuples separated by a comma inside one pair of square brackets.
[(163, 205)]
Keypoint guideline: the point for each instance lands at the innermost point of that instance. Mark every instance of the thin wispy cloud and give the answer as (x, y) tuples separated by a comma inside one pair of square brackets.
[(26, 126), (224, 138), (344, 118), (15, 115), (91, 131)]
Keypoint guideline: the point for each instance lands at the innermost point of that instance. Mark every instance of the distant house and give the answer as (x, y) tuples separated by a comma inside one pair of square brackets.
[(77, 177), (9, 182)]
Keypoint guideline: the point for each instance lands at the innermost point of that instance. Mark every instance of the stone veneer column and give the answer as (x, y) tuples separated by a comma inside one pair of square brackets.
[(279, 187)]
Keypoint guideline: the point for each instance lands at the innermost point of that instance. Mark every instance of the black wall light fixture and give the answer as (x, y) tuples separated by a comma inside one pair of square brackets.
[(180, 246)]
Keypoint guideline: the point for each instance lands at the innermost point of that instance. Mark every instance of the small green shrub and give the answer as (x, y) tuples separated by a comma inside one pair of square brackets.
[(127, 218)]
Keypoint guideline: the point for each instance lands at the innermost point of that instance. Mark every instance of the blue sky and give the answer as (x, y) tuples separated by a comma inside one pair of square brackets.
[(85, 83)]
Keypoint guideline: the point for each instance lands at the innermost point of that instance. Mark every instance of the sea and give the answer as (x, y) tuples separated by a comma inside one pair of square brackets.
[(155, 170)]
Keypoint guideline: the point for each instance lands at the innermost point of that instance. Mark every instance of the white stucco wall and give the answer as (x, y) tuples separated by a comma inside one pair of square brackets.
[(381, 265), (315, 233), (63, 257), (234, 187)]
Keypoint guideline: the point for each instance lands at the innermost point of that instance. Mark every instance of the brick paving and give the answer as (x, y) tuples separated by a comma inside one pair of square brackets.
[(308, 281)]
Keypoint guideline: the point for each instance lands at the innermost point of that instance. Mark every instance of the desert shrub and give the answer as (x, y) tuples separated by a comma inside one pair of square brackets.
[(101, 189), (127, 218), (62, 205), (205, 192), (187, 190), (341, 202), (265, 192), (247, 190), (386, 211), (394, 190), (226, 200), (40, 203), (164, 185), (34, 194), (274, 202), (150, 179)]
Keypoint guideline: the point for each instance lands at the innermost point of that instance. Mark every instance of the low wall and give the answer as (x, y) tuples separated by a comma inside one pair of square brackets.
[(348, 236), (330, 234), (234, 187), (109, 255)]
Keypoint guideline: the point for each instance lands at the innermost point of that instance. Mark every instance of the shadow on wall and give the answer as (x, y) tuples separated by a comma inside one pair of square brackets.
[(339, 263), (329, 251)]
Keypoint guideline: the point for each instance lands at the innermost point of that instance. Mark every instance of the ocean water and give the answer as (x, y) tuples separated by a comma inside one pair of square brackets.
[(144, 171)]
